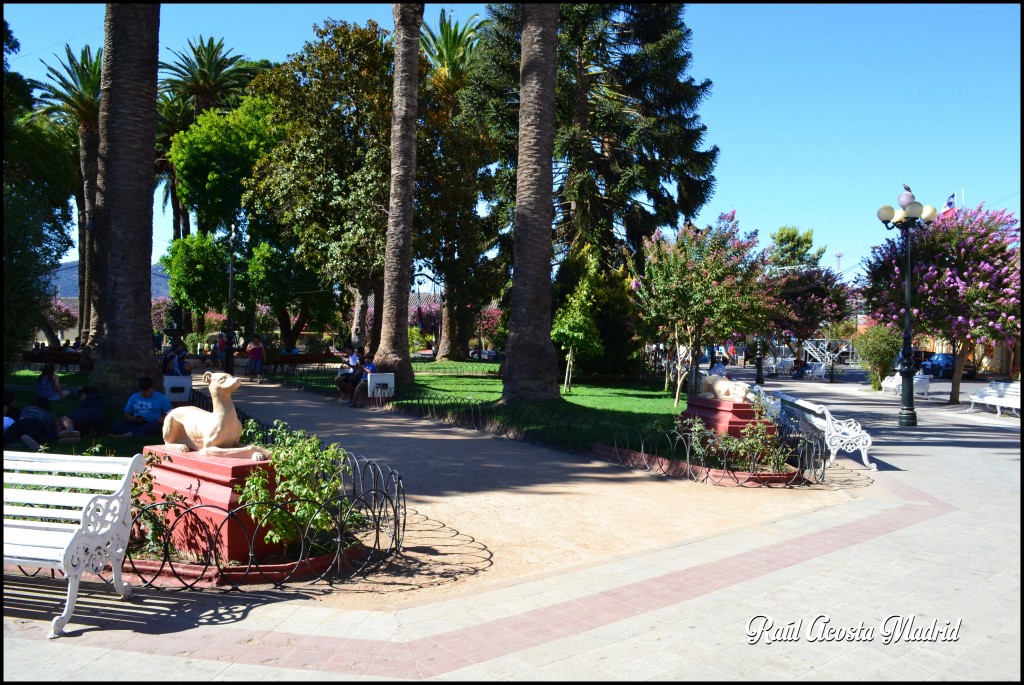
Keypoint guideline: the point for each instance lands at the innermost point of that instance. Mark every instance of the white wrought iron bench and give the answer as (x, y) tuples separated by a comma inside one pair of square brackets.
[(894, 384), (999, 395), (845, 435), (380, 388), (70, 513)]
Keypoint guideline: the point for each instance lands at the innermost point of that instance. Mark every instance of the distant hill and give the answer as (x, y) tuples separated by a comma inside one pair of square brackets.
[(65, 278)]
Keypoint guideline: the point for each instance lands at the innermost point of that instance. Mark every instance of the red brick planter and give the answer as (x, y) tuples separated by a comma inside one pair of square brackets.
[(680, 469)]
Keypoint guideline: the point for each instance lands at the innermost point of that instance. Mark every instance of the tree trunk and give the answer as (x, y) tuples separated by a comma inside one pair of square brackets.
[(358, 327), (531, 366), (961, 350), (373, 338), (393, 353), (448, 347), (124, 199), (567, 386), (88, 158)]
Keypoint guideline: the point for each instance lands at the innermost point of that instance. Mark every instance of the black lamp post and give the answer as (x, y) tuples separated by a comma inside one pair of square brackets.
[(912, 214), (229, 352)]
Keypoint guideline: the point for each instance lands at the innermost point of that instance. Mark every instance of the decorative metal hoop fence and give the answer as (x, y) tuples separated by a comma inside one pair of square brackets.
[(358, 530)]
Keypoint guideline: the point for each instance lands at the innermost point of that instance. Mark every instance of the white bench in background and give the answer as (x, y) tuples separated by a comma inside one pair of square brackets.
[(1000, 395), (79, 524), (380, 387), (840, 434), (818, 371), (894, 384)]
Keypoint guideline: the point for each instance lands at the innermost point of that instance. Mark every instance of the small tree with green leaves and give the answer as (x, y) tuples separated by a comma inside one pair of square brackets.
[(706, 285), (573, 328), (877, 346)]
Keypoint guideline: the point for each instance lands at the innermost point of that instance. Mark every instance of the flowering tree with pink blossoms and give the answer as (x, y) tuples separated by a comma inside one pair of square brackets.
[(60, 316), (703, 286), (965, 281)]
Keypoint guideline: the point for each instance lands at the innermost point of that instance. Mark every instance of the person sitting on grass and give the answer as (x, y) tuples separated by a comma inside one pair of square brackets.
[(143, 413), (48, 385), (88, 417)]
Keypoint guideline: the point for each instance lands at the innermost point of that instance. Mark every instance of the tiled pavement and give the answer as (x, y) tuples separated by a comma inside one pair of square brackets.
[(934, 535)]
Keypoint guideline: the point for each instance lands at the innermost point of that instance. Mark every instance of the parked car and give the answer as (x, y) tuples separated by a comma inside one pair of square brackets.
[(921, 356), (942, 365)]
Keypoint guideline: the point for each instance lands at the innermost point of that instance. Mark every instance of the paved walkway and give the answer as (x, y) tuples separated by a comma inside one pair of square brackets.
[(931, 539)]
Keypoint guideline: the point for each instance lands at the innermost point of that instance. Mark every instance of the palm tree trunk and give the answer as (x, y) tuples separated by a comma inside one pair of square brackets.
[(531, 367), (124, 199), (393, 353), (374, 334), (448, 347)]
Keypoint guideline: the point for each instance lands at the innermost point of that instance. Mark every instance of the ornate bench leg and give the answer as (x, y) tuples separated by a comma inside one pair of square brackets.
[(864, 458), (57, 625), (120, 586)]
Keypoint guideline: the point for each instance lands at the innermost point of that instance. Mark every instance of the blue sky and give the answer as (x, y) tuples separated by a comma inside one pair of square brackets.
[(821, 112)]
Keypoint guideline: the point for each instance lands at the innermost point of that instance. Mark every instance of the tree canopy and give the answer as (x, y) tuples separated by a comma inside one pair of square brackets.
[(965, 281)]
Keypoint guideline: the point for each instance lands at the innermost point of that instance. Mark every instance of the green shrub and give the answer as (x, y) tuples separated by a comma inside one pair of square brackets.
[(877, 346), (306, 476)]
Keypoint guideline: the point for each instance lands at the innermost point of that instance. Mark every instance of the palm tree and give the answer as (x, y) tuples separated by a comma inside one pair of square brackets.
[(72, 97), (123, 226), (173, 116), (450, 54), (393, 353), (450, 223), (531, 366), (208, 77)]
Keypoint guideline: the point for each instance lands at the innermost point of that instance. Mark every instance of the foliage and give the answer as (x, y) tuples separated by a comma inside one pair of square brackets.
[(215, 321), (60, 316), (327, 179), (627, 134), (810, 298), (214, 156), (206, 76), (965, 280), (426, 317), (197, 269), (706, 285), (877, 346), (39, 180), (303, 492), (152, 521), (193, 341), (573, 327), (417, 340), (160, 308), (791, 247)]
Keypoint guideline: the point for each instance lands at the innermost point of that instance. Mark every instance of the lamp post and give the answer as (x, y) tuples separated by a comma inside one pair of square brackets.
[(229, 352), (912, 214)]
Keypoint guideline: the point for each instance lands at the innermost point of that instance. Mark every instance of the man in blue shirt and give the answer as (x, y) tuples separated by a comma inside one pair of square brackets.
[(360, 391), (143, 413)]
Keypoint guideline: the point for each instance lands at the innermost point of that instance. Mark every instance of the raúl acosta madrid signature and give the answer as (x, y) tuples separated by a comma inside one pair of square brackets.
[(821, 628)]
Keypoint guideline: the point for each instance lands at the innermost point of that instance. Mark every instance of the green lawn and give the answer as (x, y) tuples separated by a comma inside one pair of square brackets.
[(597, 410), (122, 447)]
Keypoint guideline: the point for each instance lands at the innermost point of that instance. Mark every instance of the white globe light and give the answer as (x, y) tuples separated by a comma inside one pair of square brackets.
[(929, 213), (914, 209), (885, 213), (899, 217), (905, 199)]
